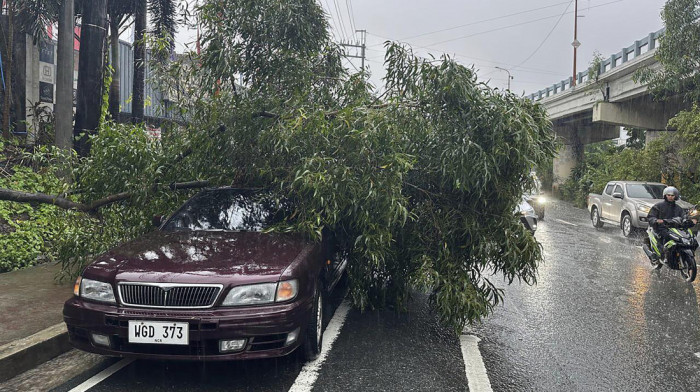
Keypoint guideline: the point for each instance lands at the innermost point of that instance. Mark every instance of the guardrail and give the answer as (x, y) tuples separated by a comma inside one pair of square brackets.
[(629, 53)]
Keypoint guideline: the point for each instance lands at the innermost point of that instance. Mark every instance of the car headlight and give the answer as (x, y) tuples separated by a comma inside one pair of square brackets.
[(263, 293), (96, 291), (644, 209)]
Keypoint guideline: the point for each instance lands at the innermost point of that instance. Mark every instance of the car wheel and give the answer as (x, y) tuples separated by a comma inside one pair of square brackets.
[(314, 329), (595, 218), (626, 225)]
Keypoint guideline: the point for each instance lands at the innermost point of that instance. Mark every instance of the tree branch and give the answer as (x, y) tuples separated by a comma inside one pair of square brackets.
[(26, 197)]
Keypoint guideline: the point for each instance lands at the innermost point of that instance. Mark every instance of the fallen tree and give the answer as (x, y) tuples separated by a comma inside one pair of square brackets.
[(420, 183)]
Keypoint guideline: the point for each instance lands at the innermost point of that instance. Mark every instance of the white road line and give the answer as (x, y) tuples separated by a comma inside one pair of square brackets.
[(309, 373), (697, 354), (101, 376), (565, 222), (474, 365)]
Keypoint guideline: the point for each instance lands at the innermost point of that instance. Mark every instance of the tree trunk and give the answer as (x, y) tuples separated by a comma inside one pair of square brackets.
[(64, 77), (7, 102), (115, 87), (90, 74), (137, 103)]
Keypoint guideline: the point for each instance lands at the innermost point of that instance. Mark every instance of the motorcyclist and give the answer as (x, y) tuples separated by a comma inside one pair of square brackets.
[(667, 209)]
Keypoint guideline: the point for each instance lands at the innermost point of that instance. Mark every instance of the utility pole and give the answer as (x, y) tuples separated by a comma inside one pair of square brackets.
[(509, 77), (359, 45), (575, 44)]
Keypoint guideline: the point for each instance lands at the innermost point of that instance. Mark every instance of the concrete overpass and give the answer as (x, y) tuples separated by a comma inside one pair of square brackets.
[(595, 109)]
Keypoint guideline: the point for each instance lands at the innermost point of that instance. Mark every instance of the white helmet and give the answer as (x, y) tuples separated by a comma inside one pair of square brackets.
[(671, 190)]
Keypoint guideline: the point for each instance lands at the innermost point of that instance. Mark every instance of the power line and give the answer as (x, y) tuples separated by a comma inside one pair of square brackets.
[(520, 24), (547, 36), (340, 18), (484, 20), (468, 57), (351, 17), (330, 16)]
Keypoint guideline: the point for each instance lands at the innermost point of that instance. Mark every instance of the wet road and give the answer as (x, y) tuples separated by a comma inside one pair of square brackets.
[(600, 318)]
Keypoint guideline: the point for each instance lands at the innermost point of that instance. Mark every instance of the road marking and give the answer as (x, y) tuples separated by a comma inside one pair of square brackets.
[(101, 376), (697, 355), (309, 373), (565, 222), (474, 365)]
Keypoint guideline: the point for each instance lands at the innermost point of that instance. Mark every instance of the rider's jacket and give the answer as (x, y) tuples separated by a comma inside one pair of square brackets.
[(665, 210)]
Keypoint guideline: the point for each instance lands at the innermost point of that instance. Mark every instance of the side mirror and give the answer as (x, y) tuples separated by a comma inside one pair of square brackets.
[(617, 195), (157, 220)]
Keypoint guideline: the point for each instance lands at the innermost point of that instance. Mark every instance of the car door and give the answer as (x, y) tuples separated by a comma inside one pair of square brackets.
[(605, 200), (612, 212)]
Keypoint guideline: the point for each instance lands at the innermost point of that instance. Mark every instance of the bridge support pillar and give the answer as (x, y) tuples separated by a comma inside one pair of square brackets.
[(564, 163), (574, 137)]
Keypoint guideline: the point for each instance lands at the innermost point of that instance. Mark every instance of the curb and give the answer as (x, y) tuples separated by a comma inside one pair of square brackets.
[(24, 354)]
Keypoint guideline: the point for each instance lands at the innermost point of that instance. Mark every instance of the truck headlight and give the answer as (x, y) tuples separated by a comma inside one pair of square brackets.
[(97, 291), (263, 293)]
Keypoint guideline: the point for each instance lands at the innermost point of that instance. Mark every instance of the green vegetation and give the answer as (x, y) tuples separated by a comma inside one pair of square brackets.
[(671, 159), (27, 231)]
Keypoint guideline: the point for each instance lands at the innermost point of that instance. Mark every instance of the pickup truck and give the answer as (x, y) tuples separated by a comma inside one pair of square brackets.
[(626, 204)]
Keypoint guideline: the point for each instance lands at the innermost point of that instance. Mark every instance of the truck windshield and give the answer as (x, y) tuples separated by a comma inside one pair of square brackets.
[(645, 191)]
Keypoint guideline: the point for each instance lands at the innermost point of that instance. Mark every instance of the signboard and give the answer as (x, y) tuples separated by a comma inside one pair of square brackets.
[(45, 92), (46, 72), (46, 51)]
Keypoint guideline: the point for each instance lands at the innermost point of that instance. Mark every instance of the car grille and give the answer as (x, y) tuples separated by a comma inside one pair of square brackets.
[(168, 295)]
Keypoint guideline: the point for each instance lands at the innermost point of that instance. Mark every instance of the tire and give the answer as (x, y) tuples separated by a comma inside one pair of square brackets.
[(691, 269), (595, 218), (540, 212), (313, 336), (626, 225)]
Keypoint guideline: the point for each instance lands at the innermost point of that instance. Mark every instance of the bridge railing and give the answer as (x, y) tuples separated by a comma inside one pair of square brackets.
[(643, 45)]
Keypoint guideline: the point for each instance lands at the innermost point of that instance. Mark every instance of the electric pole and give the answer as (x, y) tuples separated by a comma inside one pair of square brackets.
[(358, 45)]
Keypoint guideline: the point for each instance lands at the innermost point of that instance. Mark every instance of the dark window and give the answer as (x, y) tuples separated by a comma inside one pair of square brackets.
[(227, 210), (608, 189), (618, 189), (645, 191)]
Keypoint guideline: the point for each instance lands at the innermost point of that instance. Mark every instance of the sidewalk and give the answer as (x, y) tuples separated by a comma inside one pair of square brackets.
[(31, 321)]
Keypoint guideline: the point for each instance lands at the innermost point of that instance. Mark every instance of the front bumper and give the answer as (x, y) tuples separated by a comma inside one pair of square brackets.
[(265, 328), (641, 222)]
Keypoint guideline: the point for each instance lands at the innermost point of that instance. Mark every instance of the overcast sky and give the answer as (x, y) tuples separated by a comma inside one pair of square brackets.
[(532, 38)]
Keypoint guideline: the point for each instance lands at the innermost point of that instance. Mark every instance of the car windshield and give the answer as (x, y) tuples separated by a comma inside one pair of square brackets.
[(645, 191), (226, 210)]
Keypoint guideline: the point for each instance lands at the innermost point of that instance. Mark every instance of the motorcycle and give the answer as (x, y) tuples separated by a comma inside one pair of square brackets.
[(678, 253)]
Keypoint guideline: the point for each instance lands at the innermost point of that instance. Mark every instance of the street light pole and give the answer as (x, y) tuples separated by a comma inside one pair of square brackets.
[(575, 44), (509, 77)]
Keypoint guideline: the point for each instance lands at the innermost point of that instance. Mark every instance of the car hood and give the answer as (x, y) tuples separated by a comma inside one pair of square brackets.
[(199, 257)]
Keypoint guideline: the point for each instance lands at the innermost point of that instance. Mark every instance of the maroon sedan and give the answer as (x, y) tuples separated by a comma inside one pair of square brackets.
[(209, 284)]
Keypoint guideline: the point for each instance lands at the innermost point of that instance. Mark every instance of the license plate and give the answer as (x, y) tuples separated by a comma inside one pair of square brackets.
[(158, 332)]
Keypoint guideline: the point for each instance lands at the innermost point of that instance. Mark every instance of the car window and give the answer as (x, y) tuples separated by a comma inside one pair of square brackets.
[(227, 210), (618, 189), (608, 189), (645, 191)]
